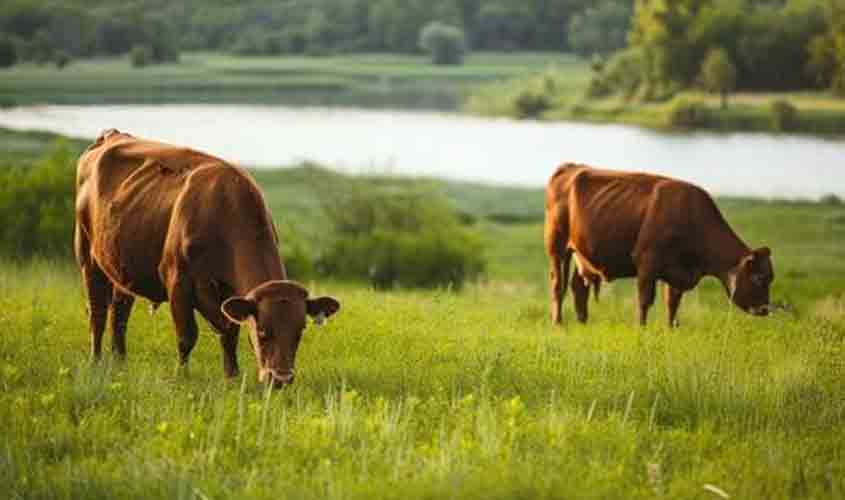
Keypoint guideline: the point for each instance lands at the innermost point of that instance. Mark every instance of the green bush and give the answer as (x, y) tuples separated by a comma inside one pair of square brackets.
[(8, 52), (36, 206), (531, 102), (406, 238), (140, 56), (783, 116), (623, 74), (61, 58), (445, 43), (688, 113)]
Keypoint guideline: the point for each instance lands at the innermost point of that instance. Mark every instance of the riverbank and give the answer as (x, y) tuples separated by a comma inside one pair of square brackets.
[(559, 94), (359, 80)]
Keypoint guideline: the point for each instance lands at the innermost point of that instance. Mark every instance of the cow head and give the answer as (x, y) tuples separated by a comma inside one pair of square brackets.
[(751, 280), (276, 314)]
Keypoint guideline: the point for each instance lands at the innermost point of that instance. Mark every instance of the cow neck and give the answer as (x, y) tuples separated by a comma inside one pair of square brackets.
[(723, 251), (257, 263)]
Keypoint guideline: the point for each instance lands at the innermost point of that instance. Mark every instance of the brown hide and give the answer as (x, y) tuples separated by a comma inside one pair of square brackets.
[(625, 224), (172, 224)]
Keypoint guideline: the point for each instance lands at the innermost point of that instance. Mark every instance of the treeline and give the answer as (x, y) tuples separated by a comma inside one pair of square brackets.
[(42, 32), (84, 28), (748, 44)]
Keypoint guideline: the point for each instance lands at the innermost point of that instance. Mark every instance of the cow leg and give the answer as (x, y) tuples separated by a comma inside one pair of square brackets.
[(673, 301), (208, 304), (557, 288), (99, 290), (557, 256), (581, 294), (646, 284), (182, 309), (121, 307)]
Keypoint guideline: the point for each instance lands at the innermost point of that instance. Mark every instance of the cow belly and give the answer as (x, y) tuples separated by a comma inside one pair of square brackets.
[(604, 267), (130, 255)]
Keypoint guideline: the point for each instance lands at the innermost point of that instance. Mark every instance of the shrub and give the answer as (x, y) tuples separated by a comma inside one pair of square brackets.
[(445, 43), (783, 116), (687, 113), (140, 56), (61, 58), (831, 199), (623, 74), (406, 238), (8, 52), (36, 206), (531, 102)]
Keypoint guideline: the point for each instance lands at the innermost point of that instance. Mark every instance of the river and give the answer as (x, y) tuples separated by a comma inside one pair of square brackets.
[(460, 147)]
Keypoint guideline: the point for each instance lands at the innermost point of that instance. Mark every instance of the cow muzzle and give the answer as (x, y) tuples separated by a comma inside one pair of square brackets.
[(278, 379), (763, 310)]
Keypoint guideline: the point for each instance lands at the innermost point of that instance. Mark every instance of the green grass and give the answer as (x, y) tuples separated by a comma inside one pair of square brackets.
[(376, 80), (438, 394)]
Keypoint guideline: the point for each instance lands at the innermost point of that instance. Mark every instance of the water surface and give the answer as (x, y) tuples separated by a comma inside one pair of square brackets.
[(496, 151)]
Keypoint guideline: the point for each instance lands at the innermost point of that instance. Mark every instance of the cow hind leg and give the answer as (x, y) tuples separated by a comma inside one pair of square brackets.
[(121, 308), (99, 290), (559, 258), (581, 295)]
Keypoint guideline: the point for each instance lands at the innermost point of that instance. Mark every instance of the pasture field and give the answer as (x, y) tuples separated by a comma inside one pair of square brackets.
[(438, 394), (372, 80)]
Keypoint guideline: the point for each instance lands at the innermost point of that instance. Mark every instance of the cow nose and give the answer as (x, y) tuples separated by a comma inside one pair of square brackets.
[(762, 310), (280, 380)]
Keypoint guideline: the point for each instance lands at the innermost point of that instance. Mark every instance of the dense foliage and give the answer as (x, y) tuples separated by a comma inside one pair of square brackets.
[(36, 206), (390, 236), (775, 45), (86, 28)]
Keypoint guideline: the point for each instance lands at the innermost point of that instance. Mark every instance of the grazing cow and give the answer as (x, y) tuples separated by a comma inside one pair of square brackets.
[(625, 225), (168, 223)]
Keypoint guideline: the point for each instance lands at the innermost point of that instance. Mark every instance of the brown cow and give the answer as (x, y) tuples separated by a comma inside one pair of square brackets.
[(172, 224), (624, 225)]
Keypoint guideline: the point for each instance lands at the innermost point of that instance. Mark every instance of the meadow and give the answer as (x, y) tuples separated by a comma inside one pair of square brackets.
[(444, 394), (372, 80)]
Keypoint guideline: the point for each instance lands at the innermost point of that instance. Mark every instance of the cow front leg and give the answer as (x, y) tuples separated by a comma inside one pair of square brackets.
[(99, 290), (121, 308), (673, 301), (180, 295), (646, 284), (581, 296), (209, 300)]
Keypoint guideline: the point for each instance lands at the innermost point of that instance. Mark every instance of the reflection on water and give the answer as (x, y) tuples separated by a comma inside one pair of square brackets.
[(496, 151)]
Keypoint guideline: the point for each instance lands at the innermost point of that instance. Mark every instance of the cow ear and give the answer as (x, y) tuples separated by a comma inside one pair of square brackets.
[(322, 307), (239, 309)]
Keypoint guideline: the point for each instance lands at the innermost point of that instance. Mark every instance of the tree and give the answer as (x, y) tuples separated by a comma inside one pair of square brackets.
[(8, 52), (140, 56), (601, 29), (61, 58), (445, 43), (718, 73)]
